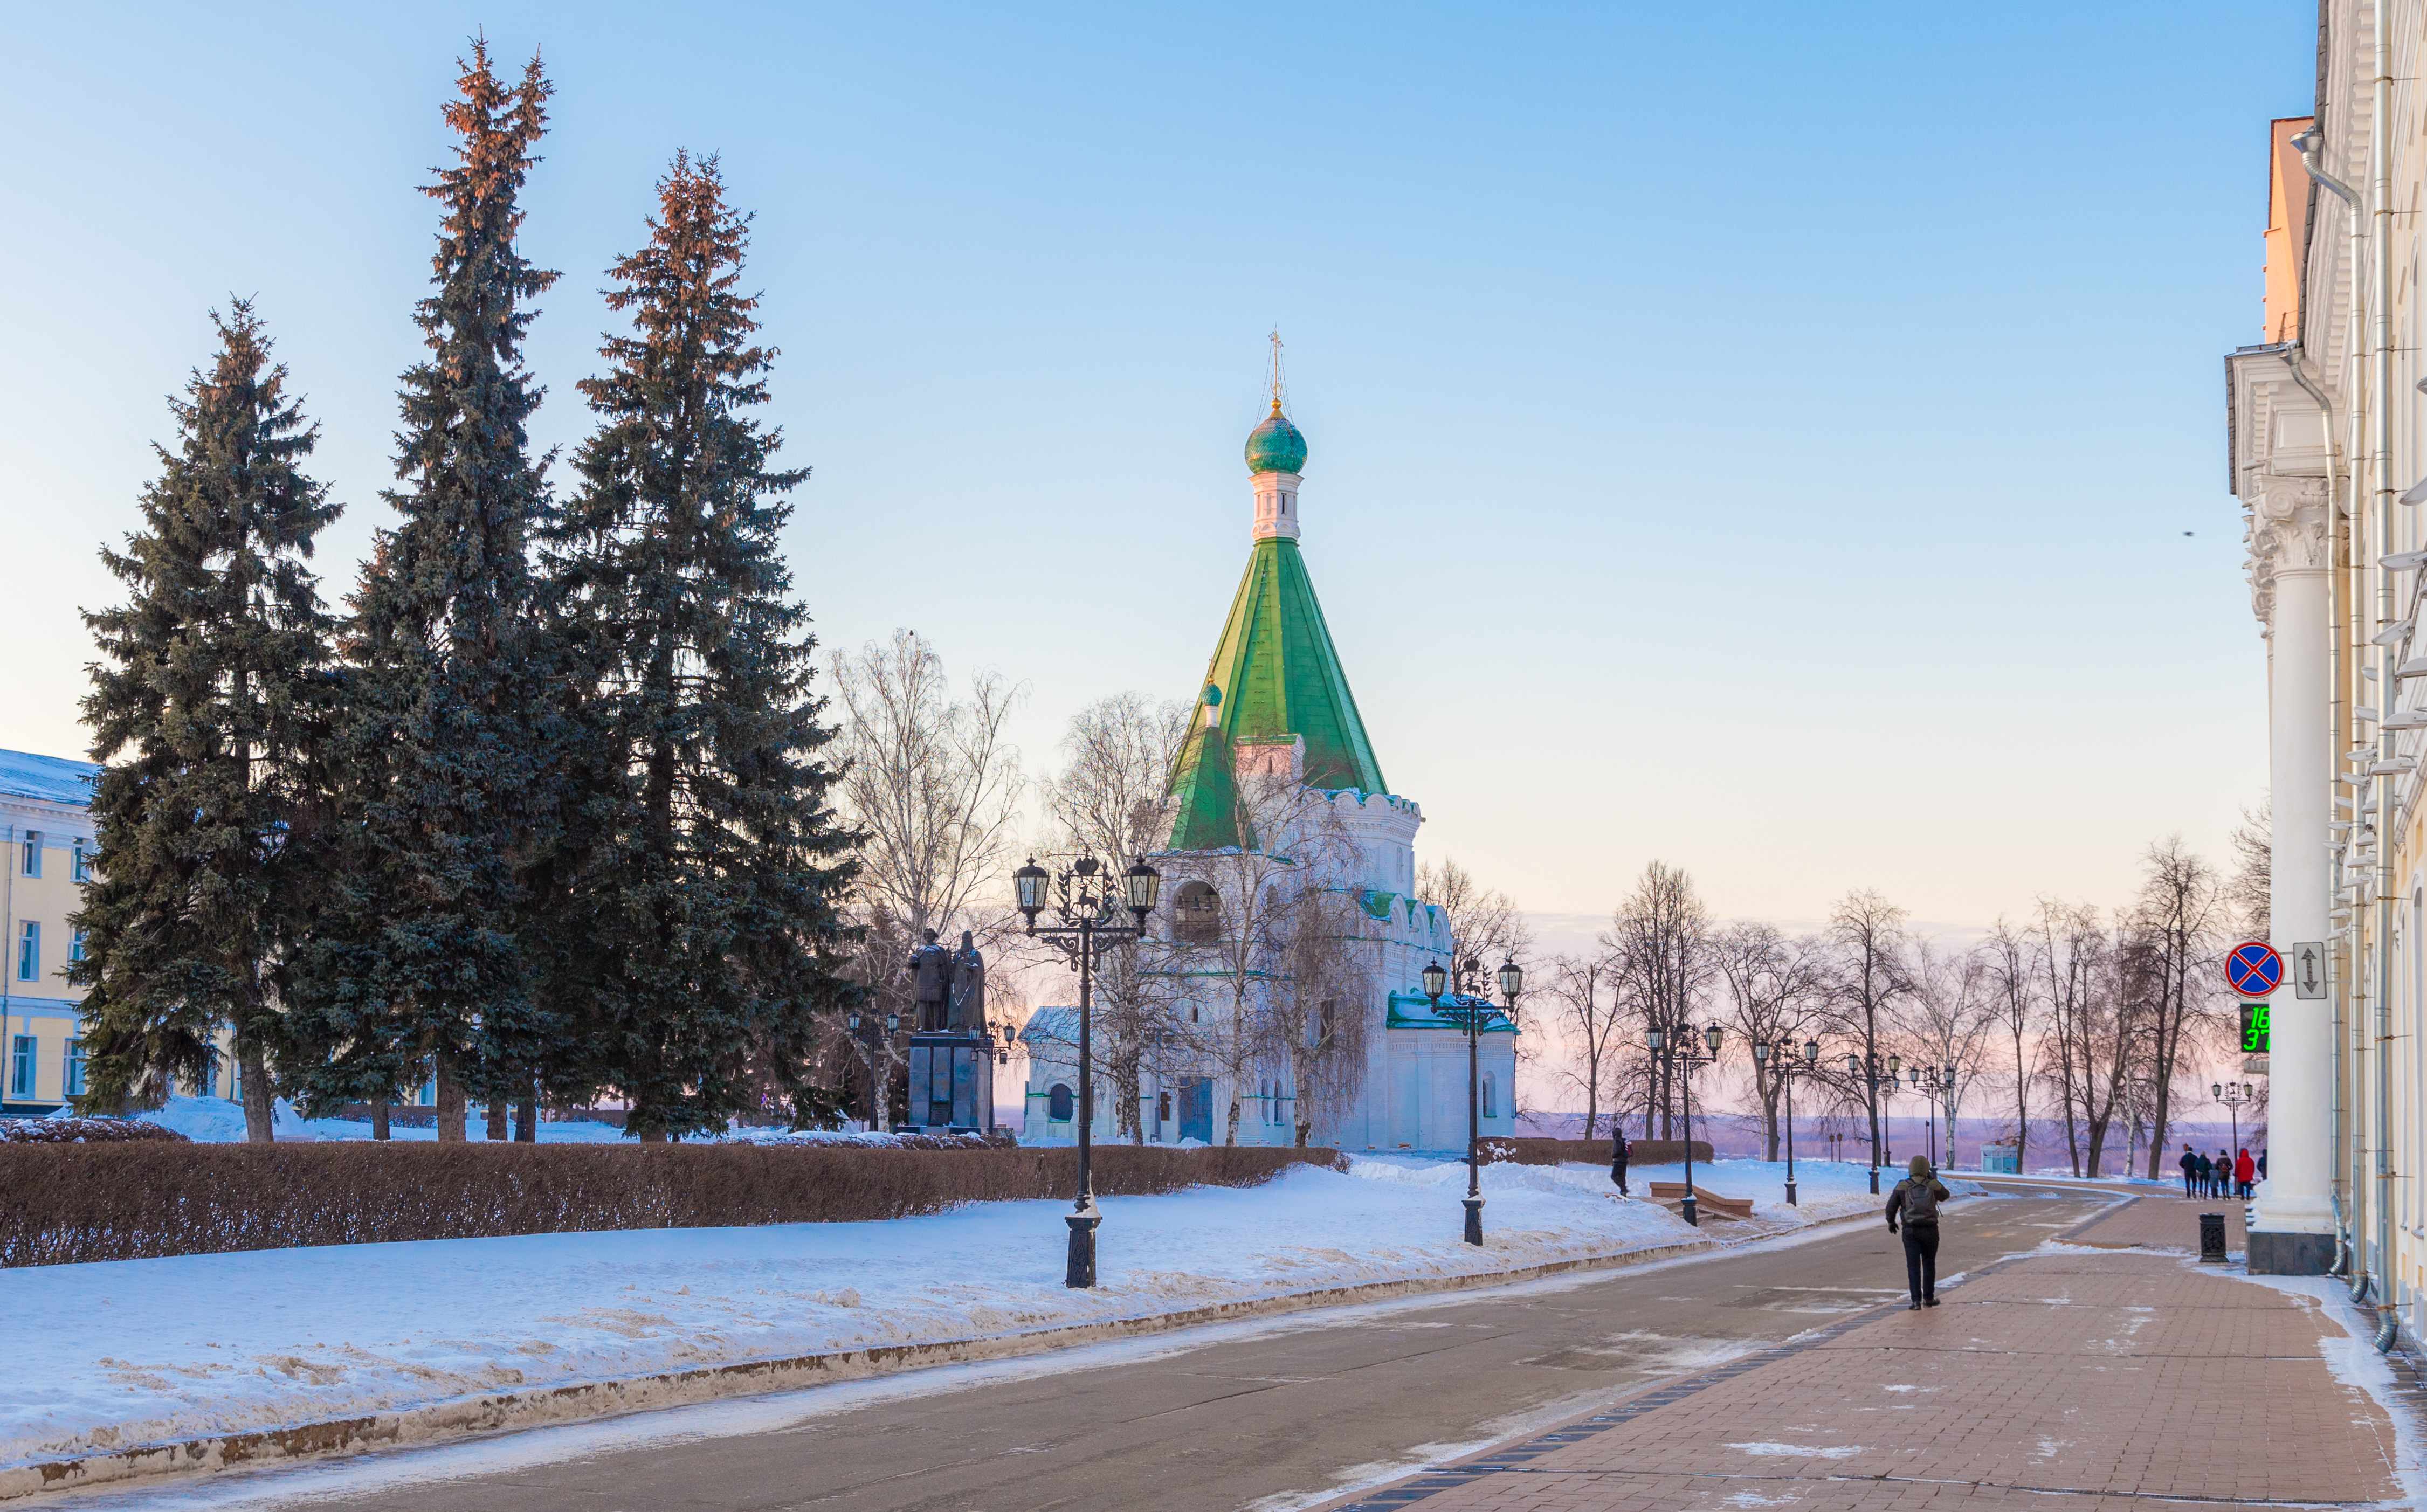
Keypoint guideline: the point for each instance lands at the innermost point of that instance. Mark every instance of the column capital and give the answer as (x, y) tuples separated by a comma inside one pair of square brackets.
[(2286, 525)]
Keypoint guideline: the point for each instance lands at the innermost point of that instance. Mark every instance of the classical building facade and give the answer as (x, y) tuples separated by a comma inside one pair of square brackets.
[(46, 822), (1278, 789), (2324, 421)]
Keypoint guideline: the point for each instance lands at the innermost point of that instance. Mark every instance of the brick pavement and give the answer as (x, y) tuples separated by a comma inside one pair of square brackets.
[(2165, 1223), (2071, 1379)]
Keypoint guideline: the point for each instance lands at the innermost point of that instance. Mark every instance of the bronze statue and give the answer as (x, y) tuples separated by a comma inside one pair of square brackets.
[(968, 988), (931, 965)]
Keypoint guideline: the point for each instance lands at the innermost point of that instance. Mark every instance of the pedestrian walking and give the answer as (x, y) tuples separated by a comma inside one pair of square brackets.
[(1917, 1199), (2189, 1164), (2223, 1174), (2245, 1171), (1618, 1158), (2262, 1165), (2207, 1173)]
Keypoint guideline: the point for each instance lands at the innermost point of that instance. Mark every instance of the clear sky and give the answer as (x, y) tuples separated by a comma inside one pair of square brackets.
[(1762, 437)]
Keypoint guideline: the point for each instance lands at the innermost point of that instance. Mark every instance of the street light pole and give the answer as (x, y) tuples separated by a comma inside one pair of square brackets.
[(2232, 1095), (1470, 1011), (1866, 1065), (1686, 1061), (1089, 923), (1788, 1070)]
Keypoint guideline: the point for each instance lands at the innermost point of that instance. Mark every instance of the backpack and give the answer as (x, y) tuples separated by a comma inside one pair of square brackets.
[(1920, 1200)]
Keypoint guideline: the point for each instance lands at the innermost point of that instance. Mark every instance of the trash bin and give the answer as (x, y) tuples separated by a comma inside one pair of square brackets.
[(2211, 1239)]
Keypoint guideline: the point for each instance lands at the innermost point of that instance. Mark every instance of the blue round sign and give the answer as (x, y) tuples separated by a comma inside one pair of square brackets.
[(2254, 969)]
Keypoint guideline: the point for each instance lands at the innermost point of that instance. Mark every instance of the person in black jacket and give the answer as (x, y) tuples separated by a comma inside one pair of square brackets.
[(2189, 1162), (1618, 1158), (1916, 1198), (2207, 1176)]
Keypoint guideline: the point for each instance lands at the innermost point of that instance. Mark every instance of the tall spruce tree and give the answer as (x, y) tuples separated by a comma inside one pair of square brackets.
[(210, 711), (713, 884), (443, 753)]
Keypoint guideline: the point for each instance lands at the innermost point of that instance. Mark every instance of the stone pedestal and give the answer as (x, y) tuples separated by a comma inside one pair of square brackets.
[(951, 1083)]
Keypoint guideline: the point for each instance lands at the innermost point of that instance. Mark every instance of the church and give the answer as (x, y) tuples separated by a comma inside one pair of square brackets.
[(1278, 789)]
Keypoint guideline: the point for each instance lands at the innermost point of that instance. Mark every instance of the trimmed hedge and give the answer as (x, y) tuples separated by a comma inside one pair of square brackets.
[(62, 1204), (1530, 1151)]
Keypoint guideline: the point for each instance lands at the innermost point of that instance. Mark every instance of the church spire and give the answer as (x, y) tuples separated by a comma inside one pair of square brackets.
[(1276, 457)]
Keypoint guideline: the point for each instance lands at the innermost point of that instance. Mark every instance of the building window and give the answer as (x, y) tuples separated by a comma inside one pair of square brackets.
[(207, 1085), (1196, 914), (1162, 1109), (72, 1084), (80, 867), (29, 952), (75, 944), (1326, 1023), (21, 1065), (1491, 1103), (1059, 1103), (32, 866)]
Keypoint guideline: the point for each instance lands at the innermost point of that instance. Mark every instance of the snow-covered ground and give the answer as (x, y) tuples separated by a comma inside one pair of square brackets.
[(165, 1350), (220, 1121)]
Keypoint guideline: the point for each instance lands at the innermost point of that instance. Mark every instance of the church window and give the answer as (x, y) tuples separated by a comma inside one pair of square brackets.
[(1196, 914), (1326, 1023), (1491, 1103), (1059, 1102)]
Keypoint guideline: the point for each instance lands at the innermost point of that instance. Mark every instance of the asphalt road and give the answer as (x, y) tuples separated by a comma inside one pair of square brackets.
[(1268, 1416)]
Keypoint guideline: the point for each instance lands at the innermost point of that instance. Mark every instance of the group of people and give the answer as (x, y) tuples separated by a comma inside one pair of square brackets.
[(2220, 1175)]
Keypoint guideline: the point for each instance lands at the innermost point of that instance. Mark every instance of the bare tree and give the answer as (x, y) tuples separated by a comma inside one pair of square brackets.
[(1867, 933), (1949, 1017), (2013, 1002), (1106, 801), (931, 782), (1584, 991), (1314, 1019), (1484, 926), (1660, 940), (1775, 987), (2248, 890), (2176, 917)]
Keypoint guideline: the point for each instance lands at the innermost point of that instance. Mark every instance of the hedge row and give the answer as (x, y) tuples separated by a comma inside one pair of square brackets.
[(1528, 1151), (61, 1204), (84, 1131)]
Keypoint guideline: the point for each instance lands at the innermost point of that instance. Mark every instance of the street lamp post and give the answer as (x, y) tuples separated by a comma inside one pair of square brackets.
[(1788, 1070), (1470, 1012), (1932, 1082), (2234, 1095), (1686, 1061), (1084, 899), (1866, 1067)]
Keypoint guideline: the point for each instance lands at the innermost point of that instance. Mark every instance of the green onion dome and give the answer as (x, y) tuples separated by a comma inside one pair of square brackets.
[(1276, 445)]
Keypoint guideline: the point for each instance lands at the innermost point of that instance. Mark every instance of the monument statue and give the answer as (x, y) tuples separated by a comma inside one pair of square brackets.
[(931, 968), (968, 988)]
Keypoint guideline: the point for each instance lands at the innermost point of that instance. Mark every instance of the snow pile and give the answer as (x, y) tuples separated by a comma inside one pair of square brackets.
[(64, 1126), (868, 1136), (183, 1347), (221, 1121)]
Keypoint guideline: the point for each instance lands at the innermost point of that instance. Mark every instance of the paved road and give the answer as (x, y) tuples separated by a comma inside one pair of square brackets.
[(1277, 1414)]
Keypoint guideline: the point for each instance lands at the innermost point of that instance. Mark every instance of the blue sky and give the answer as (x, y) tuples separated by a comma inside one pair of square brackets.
[(1759, 437)]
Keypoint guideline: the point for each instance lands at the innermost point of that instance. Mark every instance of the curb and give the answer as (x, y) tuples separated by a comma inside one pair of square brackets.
[(542, 1406)]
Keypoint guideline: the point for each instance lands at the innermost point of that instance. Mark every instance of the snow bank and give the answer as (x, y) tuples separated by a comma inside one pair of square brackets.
[(163, 1350), (221, 1121)]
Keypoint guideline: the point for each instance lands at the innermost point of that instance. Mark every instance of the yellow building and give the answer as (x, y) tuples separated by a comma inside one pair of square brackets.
[(46, 824)]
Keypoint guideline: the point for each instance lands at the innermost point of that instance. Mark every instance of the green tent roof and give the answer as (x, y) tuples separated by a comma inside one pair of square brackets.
[(1274, 675)]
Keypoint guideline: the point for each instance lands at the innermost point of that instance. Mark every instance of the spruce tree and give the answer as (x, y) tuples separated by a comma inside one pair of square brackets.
[(210, 709), (718, 863), (443, 751)]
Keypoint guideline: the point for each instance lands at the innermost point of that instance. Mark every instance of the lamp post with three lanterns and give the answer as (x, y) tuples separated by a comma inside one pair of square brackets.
[(1685, 1058), (876, 1087), (1866, 1069), (1468, 1011), (1935, 1083), (2234, 1095), (1088, 901), (1786, 1068)]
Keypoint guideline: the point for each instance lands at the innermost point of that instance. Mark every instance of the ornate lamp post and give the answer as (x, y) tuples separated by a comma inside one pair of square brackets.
[(1866, 1068), (1687, 1061), (2234, 1095), (1787, 1070), (1934, 1082), (1468, 1011), (876, 1098), (1085, 901)]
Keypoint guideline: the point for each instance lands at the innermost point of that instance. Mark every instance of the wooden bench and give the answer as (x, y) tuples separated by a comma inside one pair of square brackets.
[(1709, 1203)]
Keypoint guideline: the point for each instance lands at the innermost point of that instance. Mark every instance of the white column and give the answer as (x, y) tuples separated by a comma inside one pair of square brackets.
[(2289, 570)]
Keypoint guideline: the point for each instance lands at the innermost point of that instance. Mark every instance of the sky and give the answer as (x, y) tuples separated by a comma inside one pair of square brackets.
[(1783, 440)]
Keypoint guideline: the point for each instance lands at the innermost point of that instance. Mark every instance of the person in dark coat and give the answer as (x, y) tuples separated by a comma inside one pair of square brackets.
[(2189, 1162), (1618, 1158), (2207, 1177), (2262, 1165), (2223, 1174), (1916, 1200)]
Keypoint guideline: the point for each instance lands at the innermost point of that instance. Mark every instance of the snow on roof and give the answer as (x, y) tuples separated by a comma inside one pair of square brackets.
[(53, 779)]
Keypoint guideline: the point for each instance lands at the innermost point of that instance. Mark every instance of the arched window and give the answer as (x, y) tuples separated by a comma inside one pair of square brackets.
[(1196, 914), (1059, 1102), (1491, 1105)]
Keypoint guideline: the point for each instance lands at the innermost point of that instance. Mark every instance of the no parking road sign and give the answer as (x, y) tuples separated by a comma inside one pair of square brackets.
[(2254, 969)]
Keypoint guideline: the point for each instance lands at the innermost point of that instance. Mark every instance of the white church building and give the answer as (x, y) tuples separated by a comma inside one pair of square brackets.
[(1276, 733)]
